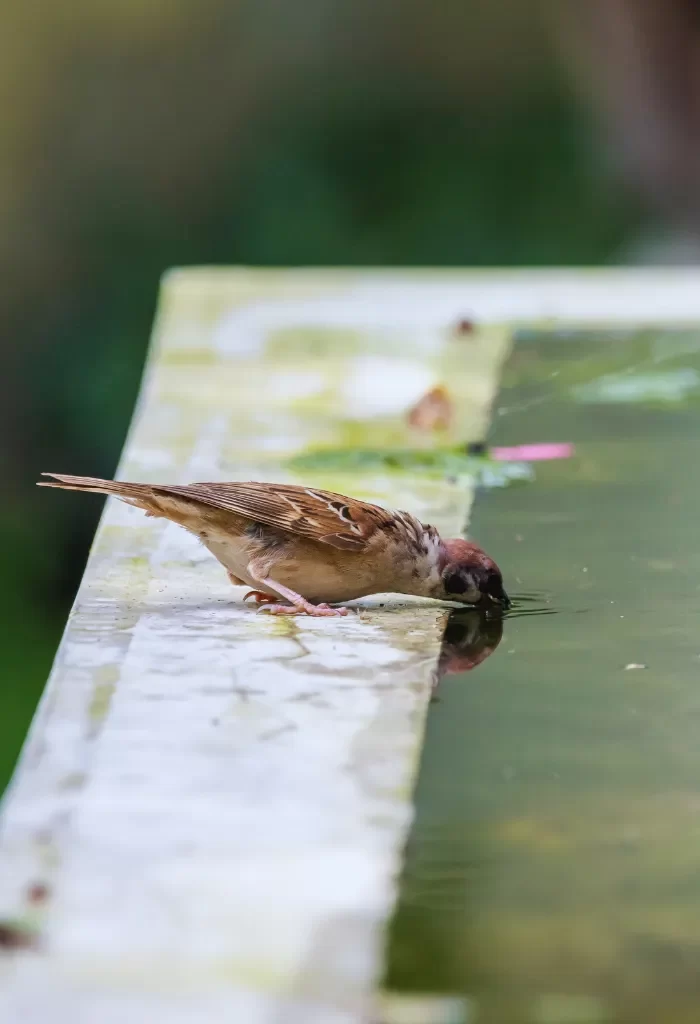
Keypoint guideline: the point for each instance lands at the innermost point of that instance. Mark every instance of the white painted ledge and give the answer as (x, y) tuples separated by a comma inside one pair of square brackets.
[(216, 802)]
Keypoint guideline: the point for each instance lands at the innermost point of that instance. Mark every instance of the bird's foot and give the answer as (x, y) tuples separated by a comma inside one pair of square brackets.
[(298, 605), (315, 610)]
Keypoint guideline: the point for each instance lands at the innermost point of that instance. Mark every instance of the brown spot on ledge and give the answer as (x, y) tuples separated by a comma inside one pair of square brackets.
[(465, 326), (38, 892), (433, 411)]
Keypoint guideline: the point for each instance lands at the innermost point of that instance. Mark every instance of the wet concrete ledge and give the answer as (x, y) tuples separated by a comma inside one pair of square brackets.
[(209, 813)]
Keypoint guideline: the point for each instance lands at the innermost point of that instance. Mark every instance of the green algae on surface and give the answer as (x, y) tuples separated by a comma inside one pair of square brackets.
[(101, 697), (424, 1009)]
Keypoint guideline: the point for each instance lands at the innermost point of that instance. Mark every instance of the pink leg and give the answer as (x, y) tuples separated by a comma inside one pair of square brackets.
[(316, 610), (298, 605), (259, 596)]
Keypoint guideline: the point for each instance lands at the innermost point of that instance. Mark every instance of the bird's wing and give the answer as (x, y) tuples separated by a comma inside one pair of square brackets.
[(323, 516)]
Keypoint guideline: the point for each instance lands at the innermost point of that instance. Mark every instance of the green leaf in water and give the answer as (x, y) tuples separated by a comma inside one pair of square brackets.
[(434, 462)]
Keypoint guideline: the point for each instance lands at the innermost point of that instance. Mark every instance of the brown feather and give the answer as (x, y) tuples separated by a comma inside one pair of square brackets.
[(323, 516)]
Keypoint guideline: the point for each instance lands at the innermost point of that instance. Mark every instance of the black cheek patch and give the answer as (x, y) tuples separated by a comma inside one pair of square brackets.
[(455, 583)]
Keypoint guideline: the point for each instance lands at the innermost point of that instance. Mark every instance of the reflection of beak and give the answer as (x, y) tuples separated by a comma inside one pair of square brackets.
[(470, 637)]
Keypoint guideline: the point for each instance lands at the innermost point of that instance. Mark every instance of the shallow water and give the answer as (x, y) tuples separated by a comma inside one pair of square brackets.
[(553, 873)]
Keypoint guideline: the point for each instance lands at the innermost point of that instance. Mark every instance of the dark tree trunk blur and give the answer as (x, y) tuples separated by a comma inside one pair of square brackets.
[(638, 63)]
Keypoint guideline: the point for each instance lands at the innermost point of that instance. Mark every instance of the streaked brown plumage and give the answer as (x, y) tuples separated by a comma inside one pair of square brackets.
[(311, 548)]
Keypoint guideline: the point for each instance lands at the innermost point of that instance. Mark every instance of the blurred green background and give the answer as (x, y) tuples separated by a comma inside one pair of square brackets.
[(141, 134)]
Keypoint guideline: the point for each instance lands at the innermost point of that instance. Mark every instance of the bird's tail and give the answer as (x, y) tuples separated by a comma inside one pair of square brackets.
[(137, 493)]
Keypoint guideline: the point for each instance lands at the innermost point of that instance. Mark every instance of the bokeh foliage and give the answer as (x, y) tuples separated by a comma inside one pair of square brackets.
[(141, 135)]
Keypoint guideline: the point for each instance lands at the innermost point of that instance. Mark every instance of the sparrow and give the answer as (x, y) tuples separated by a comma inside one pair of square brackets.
[(303, 549)]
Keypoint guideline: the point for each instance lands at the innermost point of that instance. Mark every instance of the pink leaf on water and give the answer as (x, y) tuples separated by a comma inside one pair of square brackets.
[(533, 452)]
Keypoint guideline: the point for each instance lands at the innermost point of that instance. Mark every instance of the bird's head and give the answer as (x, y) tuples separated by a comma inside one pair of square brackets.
[(469, 576)]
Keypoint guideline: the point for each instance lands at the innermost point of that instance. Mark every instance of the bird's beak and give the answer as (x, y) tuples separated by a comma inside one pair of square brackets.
[(492, 588), (500, 598)]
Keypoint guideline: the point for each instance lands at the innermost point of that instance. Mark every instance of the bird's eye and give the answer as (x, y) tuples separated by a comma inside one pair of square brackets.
[(455, 583)]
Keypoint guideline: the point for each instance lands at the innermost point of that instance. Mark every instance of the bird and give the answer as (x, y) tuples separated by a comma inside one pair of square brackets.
[(302, 550)]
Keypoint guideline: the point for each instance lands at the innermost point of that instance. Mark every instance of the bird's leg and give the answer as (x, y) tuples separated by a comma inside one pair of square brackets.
[(259, 595), (298, 605)]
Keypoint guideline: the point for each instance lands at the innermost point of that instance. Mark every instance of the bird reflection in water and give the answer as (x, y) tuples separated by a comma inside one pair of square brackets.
[(470, 638)]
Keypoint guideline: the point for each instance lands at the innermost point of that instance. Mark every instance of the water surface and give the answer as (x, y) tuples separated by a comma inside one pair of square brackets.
[(553, 873)]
